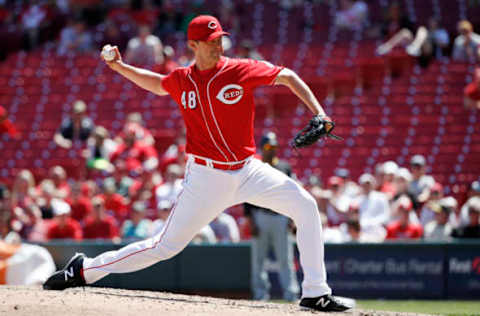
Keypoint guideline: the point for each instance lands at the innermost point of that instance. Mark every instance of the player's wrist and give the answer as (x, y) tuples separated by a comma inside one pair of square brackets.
[(116, 65)]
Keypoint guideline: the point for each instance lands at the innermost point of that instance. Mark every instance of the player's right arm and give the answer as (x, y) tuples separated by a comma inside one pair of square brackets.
[(143, 78)]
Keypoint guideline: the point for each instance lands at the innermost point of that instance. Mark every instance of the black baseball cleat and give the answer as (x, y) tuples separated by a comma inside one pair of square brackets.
[(326, 303), (70, 276)]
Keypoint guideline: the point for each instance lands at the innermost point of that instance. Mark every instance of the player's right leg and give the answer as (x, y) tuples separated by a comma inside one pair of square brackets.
[(267, 187), (206, 193)]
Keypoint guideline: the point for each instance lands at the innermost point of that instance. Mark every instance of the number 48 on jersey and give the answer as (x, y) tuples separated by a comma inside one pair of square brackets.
[(192, 101)]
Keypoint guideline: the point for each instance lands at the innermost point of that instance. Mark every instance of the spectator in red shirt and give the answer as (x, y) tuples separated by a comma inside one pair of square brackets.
[(63, 226), (471, 93), (135, 121), (89, 189), (139, 157), (99, 225), (114, 202), (6, 126), (81, 205), (170, 156), (403, 228), (175, 153), (146, 191)]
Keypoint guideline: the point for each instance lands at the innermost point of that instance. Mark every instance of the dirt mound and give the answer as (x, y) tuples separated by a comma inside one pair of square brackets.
[(28, 301)]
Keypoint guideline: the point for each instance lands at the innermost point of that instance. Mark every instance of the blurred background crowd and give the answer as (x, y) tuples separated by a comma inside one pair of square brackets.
[(126, 182)]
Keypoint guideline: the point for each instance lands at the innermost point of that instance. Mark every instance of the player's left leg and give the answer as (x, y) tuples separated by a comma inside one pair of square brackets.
[(206, 193)]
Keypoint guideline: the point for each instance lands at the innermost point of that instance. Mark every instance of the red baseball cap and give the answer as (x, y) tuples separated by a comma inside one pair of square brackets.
[(437, 187), (204, 28)]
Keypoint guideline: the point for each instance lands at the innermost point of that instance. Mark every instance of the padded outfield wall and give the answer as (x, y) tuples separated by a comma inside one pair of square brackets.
[(388, 270)]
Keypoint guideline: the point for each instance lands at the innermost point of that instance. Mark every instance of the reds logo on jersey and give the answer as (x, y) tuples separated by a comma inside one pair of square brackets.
[(230, 94)]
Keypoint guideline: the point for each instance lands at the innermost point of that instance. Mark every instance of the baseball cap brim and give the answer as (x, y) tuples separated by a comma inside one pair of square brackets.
[(215, 35)]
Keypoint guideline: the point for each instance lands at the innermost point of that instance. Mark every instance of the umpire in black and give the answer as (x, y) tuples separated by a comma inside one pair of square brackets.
[(271, 230)]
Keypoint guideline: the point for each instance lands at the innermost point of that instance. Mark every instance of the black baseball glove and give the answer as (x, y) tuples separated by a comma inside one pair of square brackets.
[(318, 127)]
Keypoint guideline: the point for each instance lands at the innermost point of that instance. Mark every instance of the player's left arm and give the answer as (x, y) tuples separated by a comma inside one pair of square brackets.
[(289, 78)]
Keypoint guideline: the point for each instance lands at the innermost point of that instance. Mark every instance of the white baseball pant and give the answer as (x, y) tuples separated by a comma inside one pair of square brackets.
[(206, 193)]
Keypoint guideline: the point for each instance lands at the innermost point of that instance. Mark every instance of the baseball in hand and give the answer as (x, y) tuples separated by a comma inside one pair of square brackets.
[(108, 52)]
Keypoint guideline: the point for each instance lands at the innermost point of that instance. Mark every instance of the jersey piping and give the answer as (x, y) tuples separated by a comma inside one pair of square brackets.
[(213, 114), (205, 119)]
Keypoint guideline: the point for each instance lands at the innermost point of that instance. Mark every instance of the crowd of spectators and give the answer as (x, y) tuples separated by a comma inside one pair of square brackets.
[(140, 27), (129, 188), (84, 26), (396, 203), (136, 188)]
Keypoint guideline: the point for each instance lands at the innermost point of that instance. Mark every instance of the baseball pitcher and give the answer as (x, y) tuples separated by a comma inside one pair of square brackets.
[(215, 98)]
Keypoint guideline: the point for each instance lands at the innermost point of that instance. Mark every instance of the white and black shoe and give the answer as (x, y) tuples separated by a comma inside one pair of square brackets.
[(70, 276), (327, 303)]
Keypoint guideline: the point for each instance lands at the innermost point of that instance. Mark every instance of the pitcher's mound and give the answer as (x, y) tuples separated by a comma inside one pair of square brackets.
[(28, 301)]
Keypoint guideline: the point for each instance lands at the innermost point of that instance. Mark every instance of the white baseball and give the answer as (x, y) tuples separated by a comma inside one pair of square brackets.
[(108, 53)]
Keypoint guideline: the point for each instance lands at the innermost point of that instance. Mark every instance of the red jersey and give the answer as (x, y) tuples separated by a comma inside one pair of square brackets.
[(411, 231), (71, 230), (8, 127), (115, 203), (217, 106), (388, 188), (105, 228), (141, 133), (472, 91), (134, 156), (81, 207)]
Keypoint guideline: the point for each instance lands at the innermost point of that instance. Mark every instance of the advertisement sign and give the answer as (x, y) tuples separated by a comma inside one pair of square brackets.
[(463, 275), (386, 272), (397, 271)]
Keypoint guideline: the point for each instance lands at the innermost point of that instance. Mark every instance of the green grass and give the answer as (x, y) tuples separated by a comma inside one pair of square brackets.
[(450, 308)]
